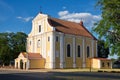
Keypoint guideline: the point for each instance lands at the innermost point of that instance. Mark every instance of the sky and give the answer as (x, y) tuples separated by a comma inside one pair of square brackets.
[(17, 15)]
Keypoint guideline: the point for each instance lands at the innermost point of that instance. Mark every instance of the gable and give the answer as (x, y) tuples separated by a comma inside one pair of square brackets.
[(21, 55), (40, 25)]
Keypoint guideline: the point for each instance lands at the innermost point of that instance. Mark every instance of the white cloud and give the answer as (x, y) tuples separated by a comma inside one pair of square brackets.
[(87, 18), (63, 13), (27, 19)]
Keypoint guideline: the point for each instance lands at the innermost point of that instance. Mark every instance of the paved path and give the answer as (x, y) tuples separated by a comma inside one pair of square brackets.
[(9, 74)]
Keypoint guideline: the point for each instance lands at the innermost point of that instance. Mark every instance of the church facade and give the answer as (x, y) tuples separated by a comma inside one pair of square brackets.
[(60, 43)]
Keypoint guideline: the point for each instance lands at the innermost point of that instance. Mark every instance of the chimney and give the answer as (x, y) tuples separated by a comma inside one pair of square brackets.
[(81, 23)]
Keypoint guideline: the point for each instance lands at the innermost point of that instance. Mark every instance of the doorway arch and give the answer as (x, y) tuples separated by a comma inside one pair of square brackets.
[(17, 65), (21, 64)]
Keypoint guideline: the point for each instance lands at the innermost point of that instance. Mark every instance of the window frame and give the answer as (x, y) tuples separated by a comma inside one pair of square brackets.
[(68, 50), (30, 43), (38, 43), (48, 38), (103, 64), (78, 51), (57, 39), (108, 64), (88, 51), (39, 28)]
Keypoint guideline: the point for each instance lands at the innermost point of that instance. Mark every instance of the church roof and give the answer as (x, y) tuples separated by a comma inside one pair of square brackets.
[(32, 55), (70, 27)]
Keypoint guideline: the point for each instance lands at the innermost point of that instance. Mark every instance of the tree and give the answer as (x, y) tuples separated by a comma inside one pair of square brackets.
[(18, 43), (103, 51), (11, 44), (4, 48), (5, 55), (109, 26)]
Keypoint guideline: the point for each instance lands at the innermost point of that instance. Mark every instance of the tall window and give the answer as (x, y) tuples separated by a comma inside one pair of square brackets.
[(78, 51), (68, 50), (108, 64), (57, 38), (48, 38), (103, 65), (30, 42), (88, 51), (39, 28), (38, 43)]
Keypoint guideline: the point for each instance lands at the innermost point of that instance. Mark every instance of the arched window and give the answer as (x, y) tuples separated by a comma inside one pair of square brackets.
[(88, 51), (48, 38), (57, 38), (103, 65), (78, 51), (30, 43), (68, 50), (39, 28), (38, 43)]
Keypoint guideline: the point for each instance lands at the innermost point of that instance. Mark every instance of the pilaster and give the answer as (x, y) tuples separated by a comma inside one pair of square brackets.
[(61, 50), (74, 53), (96, 50), (52, 50), (92, 42), (84, 63)]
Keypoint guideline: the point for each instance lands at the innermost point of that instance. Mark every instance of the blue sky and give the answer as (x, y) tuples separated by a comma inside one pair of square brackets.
[(16, 15)]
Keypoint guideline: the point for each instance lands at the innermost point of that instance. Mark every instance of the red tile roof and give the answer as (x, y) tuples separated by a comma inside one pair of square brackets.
[(70, 27), (32, 55)]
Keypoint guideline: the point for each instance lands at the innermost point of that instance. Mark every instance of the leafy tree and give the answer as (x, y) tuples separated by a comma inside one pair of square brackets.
[(109, 26), (18, 43), (4, 48), (5, 55), (102, 50), (11, 44)]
